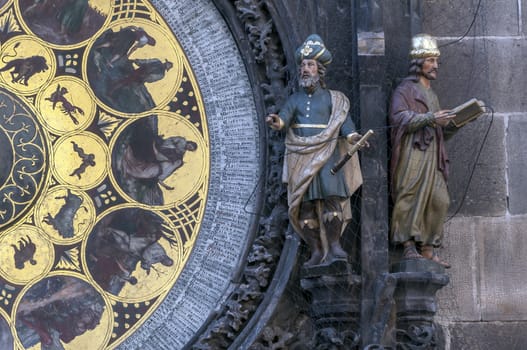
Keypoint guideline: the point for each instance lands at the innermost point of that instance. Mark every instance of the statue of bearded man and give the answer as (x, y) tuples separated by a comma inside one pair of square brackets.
[(319, 133)]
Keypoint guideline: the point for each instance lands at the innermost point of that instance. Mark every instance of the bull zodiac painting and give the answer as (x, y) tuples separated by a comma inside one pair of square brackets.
[(104, 176)]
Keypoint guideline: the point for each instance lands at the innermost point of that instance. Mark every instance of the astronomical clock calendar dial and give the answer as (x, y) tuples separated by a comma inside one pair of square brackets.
[(105, 169)]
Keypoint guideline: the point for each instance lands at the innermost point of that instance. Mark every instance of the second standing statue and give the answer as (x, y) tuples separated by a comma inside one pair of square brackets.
[(419, 164)]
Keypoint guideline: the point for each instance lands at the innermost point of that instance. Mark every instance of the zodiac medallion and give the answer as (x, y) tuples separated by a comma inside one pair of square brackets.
[(104, 170)]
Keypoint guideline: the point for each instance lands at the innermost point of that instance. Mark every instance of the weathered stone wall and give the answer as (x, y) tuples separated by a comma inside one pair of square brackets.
[(485, 304)]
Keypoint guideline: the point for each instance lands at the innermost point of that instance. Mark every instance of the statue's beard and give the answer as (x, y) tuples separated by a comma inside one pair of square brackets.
[(309, 82), (428, 75)]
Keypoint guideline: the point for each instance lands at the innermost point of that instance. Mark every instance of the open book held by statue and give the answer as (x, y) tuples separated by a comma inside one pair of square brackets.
[(467, 112)]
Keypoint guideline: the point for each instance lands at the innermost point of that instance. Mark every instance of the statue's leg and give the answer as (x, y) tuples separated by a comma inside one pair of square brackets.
[(311, 231), (435, 216), (332, 219)]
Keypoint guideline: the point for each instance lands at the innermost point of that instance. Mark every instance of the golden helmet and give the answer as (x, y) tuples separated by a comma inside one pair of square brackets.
[(424, 45)]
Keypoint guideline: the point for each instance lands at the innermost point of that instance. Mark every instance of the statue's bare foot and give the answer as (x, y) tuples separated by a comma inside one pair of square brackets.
[(438, 260), (430, 253)]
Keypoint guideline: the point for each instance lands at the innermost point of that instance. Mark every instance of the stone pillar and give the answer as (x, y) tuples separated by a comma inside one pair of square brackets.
[(374, 260), (334, 305), (418, 280)]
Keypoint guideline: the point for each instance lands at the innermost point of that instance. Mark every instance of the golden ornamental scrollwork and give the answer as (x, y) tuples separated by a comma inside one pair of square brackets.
[(23, 158), (104, 169)]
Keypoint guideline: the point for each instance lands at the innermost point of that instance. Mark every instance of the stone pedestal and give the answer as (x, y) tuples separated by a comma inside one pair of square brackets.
[(415, 298), (334, 304)]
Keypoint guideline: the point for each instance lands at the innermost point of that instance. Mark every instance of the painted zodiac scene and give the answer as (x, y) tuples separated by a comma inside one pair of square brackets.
[(104, 169)]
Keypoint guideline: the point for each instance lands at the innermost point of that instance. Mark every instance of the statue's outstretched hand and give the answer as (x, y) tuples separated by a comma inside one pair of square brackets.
[(274, 121)]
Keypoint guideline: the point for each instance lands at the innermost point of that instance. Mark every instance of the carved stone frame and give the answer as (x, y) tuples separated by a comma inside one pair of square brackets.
[(272, 256)]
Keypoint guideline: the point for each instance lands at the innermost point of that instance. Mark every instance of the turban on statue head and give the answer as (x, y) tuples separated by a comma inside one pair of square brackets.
[(313, 48)]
